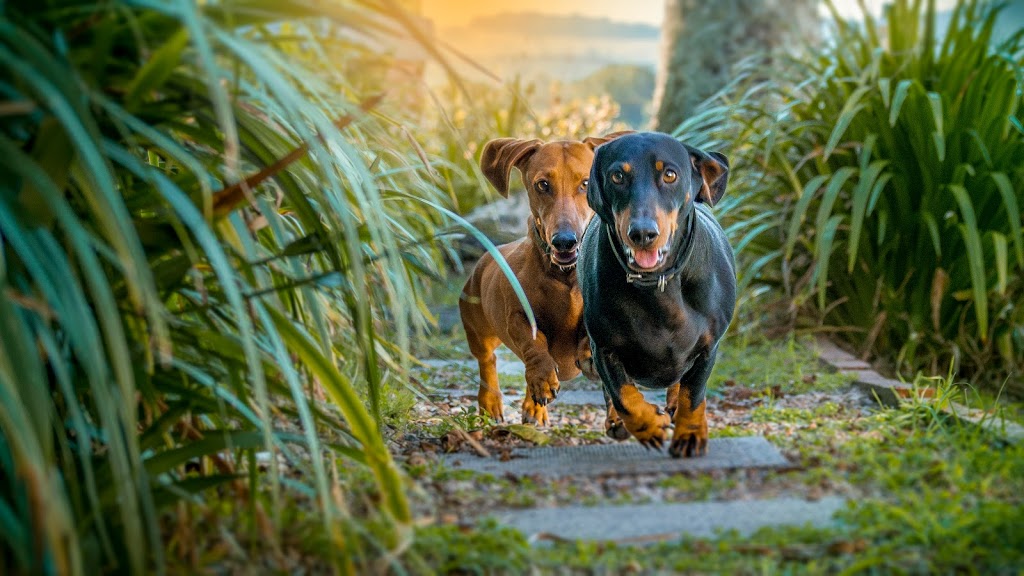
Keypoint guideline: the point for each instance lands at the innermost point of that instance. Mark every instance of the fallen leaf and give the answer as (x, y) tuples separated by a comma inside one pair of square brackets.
[(499, 433), (452, 441), (529, 433)]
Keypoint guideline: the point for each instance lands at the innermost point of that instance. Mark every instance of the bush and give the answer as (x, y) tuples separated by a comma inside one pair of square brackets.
[(179, 278), (885, 188)]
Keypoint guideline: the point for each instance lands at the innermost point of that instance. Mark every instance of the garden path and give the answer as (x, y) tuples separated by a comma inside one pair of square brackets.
[(568, 481)]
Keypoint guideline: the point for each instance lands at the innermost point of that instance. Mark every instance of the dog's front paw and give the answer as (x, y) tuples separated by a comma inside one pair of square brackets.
[(490, 403), (649, 428), (542, 387), (534, 413), (613, 426), (646, 422), (691, 435)]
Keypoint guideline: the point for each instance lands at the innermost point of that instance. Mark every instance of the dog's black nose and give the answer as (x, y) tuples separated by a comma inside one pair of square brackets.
[(643, 231), (564, 241)]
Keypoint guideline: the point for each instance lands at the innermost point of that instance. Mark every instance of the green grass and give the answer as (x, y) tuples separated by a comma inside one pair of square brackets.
[(791, 364), (770, 413)]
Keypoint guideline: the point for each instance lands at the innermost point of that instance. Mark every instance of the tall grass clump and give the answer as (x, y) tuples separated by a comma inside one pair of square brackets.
[(886, 187), (205, 226)]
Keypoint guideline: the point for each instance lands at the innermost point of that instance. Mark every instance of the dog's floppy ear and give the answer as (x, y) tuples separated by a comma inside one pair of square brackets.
[(595, 187), (595, 141), (713, 168), (501, 155)]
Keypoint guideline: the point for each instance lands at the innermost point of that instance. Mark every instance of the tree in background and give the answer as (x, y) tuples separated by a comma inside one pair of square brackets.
[(701, 41)]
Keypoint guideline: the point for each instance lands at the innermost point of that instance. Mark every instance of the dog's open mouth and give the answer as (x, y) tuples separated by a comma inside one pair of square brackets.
[(565, 260), (647, 259)]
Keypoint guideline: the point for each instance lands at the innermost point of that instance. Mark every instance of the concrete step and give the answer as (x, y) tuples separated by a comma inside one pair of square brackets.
[(622, 459), (668, 521), (511, 366)]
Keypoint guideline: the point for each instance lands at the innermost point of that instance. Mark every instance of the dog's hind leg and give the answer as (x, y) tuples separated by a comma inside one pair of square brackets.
[(585, 358), (613, 426), (691, 434), (489, 395), (482, 344), (671, 399), (645, 421)]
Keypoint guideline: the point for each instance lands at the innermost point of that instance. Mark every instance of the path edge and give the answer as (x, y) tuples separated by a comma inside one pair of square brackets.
[(892, 393)]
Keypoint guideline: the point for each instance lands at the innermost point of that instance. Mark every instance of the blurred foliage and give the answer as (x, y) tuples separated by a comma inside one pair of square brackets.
[(468, 115), (883, 189), (630, 86), (212, 238)]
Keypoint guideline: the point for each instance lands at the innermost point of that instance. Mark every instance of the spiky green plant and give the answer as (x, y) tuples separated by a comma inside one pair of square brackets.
[(887, 175), (204, 225)]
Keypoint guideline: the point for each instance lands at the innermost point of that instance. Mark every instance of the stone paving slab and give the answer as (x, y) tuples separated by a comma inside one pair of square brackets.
[(504, 366), (1011, 432), (627, 458), (838, 358), (669, 521), (565, 397)]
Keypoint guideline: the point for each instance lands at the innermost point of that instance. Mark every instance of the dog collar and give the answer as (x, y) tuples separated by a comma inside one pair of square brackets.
[(660, 278)]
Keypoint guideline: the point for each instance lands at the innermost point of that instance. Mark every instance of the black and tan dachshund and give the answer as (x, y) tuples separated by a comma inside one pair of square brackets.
[(659, 284)]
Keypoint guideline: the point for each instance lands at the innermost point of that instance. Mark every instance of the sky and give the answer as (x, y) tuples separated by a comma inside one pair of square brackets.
[(454, 13)]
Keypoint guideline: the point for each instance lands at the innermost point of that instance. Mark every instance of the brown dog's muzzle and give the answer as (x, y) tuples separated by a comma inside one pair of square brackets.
[(565, 248)]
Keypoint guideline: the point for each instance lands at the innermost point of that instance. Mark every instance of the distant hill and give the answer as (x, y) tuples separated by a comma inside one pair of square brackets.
[(576, 25), (532, 46)]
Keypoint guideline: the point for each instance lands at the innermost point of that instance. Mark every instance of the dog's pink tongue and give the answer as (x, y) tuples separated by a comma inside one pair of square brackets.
[(646, 258)]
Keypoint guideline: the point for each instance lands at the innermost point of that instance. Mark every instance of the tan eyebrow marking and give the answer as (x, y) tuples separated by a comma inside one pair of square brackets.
[(626, 167), (659, 165)]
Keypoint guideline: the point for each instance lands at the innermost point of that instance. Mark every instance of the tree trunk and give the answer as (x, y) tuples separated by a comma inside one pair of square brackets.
[(702, 40)]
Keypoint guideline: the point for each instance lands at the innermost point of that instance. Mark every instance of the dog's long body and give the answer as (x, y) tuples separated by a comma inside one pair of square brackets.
[(658, 282), (555, 175)]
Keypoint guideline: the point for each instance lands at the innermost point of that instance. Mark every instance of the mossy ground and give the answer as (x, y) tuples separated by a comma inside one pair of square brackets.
[(928, 493)]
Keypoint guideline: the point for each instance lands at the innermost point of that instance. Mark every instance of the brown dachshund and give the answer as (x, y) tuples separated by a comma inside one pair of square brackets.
[(555, 175)]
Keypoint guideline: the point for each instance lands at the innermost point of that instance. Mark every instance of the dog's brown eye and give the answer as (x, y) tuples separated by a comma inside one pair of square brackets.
[(669, 176), (583, 186), (618, 177), (542, 186)]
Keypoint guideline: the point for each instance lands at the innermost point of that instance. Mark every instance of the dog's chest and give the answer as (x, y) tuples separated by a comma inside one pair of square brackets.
[(559, 310), (664, 338)]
